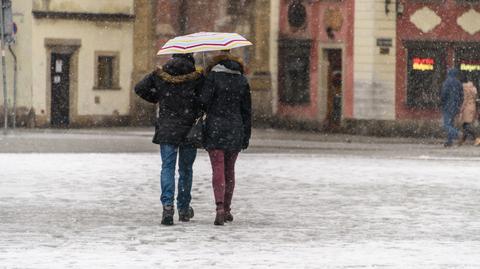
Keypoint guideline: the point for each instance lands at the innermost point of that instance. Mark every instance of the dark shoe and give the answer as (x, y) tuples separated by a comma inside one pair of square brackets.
[(220, 217), (462, 140), (167, 215), (447, 145), (185, 214), (228, 216)]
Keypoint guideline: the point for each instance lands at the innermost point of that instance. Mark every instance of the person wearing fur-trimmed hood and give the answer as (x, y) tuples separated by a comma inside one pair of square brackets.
[(226, 100), (174, 87)]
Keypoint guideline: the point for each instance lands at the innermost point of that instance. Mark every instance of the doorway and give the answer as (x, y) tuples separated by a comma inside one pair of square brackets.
[(60, 81), (334, 87)]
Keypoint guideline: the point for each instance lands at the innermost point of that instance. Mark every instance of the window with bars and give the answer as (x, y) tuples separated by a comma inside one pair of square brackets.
[(107, 70)]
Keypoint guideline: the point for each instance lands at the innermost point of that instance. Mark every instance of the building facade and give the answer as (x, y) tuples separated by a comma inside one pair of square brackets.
[(433, 36), (374, 63), (74, 61), (250, 18)]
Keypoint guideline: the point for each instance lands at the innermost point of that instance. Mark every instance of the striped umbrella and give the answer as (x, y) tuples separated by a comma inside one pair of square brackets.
[(203, 41)]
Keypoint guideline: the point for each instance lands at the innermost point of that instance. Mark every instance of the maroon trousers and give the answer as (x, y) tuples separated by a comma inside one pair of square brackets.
[(223, 176)]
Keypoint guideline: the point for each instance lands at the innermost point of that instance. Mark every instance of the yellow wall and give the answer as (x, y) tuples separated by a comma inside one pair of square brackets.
[(374, 73), (23, 50), (94, 36), (85, 6)]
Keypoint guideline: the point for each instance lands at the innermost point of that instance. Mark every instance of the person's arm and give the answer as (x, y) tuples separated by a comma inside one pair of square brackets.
[(246, 111), (206, 93), (146, 88), (443, 95)]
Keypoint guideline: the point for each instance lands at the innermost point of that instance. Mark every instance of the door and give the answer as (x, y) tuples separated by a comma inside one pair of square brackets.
[(60, 81), (334, 86)]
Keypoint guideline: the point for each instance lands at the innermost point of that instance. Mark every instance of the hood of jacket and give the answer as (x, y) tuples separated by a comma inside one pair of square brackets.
[(228, 63), (166, 76), (452, 72)]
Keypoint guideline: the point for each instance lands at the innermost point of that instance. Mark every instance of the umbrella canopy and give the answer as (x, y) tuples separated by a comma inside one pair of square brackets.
[(203, 41)]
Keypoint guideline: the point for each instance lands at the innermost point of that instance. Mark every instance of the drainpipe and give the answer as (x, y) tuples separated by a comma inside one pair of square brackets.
[(14, 113)]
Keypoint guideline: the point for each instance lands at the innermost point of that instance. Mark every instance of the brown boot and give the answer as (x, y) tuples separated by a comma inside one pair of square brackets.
[(477, 142), (220, 217)]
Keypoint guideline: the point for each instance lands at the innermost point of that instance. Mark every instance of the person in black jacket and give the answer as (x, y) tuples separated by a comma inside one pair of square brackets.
[(175, 88), (226, 100)]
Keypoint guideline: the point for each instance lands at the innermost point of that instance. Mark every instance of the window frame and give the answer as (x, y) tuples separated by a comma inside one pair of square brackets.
[(439, 53), (294, 96), (115, 70)]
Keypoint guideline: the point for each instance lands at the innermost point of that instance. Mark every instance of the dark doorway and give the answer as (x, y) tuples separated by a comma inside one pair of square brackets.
[(60, 81), (334, 86)]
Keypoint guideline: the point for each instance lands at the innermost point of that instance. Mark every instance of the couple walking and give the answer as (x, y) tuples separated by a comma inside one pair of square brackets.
[(183, 94), (458, 99)]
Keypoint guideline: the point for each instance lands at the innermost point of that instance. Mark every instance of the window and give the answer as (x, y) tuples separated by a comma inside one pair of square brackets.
[(467, 60), (426, 73), (106, 70), (294, 71)]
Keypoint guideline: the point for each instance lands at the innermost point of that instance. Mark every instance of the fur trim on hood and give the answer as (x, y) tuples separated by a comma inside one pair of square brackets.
[(225, 57), (178, 79)]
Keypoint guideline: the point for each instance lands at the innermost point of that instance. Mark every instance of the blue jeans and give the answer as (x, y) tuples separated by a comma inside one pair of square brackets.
[(186, 158), (448, 125)]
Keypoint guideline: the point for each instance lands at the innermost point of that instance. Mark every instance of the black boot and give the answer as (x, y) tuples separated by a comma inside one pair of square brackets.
[(185, 214), (228, 216), (167, 215)]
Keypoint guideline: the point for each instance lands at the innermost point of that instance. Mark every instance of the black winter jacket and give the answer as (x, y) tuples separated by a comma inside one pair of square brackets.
[(226, 99), (175, 88)]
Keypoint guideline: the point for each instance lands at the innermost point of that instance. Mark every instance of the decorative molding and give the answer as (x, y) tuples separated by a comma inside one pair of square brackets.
[(83, 16), (470, 21), (425, 19)]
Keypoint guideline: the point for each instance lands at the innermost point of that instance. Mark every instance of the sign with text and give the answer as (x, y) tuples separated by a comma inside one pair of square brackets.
[(470, 66), (423, 64)]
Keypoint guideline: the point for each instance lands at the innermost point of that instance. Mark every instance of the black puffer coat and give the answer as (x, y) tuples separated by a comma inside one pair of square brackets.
[(226, 99), (175, 88)]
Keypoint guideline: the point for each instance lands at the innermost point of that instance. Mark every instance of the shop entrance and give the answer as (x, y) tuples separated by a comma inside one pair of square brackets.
[(60, 81), (334, 87)]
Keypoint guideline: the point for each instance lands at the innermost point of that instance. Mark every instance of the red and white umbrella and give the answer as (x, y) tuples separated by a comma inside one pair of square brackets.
[(203, 41)]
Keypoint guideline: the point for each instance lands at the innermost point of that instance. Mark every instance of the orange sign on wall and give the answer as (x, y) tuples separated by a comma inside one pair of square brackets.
[(423, 64)]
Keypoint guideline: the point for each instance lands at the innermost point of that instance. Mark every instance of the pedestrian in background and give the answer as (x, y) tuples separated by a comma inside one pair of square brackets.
[(451, 97), (468, 112), (175, 88), (226, 100)]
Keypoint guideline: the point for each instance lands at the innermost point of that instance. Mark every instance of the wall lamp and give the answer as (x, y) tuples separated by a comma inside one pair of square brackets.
[(387, 9), (400, 8)]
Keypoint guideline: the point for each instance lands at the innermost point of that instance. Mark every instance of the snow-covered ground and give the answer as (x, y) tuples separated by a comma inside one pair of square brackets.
[(291, 211)]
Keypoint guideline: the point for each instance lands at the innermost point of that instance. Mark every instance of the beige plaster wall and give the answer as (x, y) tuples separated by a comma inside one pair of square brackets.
[(23, 49), (374, 73), (94, 36), (85, 6)]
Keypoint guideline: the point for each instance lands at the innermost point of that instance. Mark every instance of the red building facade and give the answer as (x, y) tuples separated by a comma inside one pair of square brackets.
[(315, 61), (433, 36)]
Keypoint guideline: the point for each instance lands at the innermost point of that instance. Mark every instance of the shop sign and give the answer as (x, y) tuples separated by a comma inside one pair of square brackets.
[(423, 64), (470, 66)]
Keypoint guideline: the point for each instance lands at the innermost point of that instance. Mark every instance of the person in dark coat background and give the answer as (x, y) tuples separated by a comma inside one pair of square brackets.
[(175, 88), (451, 97), (226, 99)]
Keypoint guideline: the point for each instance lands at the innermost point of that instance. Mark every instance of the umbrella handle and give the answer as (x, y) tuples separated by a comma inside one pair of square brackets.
[(203, 60)]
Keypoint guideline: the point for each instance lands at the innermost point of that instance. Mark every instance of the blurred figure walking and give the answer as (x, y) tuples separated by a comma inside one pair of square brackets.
[(226, 99), (468, 112), (451, 97), (175, 88)]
